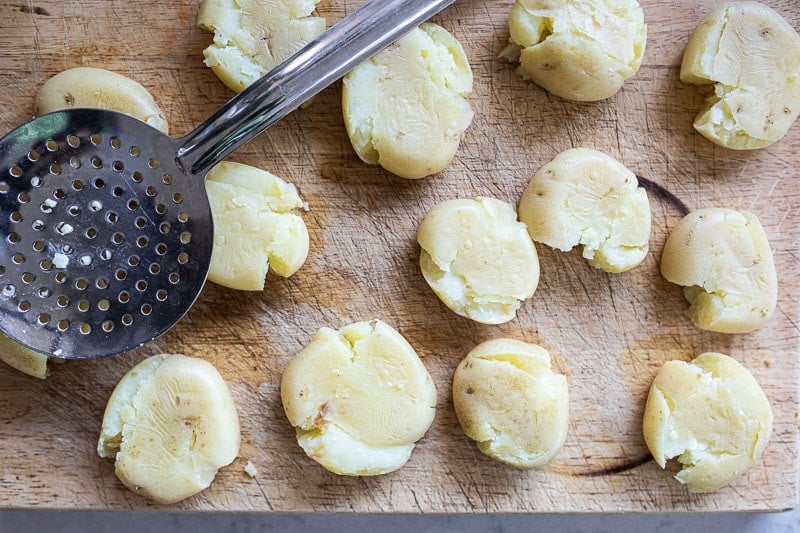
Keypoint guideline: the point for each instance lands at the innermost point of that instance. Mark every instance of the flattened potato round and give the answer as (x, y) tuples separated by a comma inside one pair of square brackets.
[(577, 49), (751, 56), (251, 37), (478, 258), (509, 400), (724, 262), (359, 399), (586, 198), (711, 415), (404, 109), (256, 227), (23, 359), (170, 425), (100, 89)]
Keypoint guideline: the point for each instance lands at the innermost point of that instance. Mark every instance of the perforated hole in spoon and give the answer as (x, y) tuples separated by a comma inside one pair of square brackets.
[(101, 250)]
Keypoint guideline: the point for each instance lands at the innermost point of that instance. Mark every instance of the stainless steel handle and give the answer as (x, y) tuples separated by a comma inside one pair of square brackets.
[(324, 60)]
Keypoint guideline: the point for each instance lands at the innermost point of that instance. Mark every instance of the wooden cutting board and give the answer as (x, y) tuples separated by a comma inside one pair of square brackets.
[(608, 333)]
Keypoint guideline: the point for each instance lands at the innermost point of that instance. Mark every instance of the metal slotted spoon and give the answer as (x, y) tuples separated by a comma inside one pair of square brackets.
[(105, 224)]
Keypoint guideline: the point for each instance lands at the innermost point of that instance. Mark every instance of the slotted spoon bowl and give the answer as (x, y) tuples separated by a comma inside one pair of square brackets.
[(105, 227)]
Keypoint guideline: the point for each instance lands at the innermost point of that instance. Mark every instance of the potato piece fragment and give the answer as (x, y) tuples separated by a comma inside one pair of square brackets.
[(711, 415), (171, 424), (581, 50), (478, 258), (253, 36), (724, 262), (255, 228), (751, 56), (404, 109), (100, 89), (508, 399), (359, 399), (23, 359), (585, 197)]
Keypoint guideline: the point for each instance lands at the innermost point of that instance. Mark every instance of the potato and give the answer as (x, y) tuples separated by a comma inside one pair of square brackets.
[(586, 198), (23, 359), (711, 415), (100, 89), (255, 228), (478, 259), (171, 424), (508, 399), (577, 49), (751, 57), (253, 36), (404, 109), (724, 261), (359, 399)]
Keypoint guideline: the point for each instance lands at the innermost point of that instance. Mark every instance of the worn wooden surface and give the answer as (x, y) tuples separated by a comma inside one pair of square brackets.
[(608, 333)]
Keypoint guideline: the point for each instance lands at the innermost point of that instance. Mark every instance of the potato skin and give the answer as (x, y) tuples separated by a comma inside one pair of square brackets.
[(405, 108), (581, 50), (478, 258), (100, 89), (508, 399), (711, 415), (723, 260), (751, 55)]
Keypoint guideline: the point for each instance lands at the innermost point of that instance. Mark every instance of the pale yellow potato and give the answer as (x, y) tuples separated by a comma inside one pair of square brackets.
[(359, 399), (253, 36), (99, 89), (509, 400), (751, 56), (586, 198), (724, 262), (404, 109), (711, 415), (23, 359), (255, 226), (170, 424), (577, 49), (478, 258)]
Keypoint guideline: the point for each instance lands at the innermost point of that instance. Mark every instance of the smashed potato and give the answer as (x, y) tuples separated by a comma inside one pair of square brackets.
[(404, 109), (23, 359), (100, 89), (577, 49), (711, 415), (359, 399), (724, 262), (255, 228), (478, 258), (751, 56), (171, 424), (508, 399), (586, 198), (253, 36)]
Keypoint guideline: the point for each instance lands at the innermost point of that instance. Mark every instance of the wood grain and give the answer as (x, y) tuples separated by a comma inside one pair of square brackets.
[(608, 333)]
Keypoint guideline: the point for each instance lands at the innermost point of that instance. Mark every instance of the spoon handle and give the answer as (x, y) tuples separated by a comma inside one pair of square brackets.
[(324, 60)]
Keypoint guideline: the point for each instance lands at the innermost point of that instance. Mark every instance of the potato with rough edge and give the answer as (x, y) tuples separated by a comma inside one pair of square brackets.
[(586, 198), (256, 227), (581, 50), (100, 89), (404, 109), (170, 425), (478, 258), (23, 359), (253, 36), (750, 56), (711, 415), (359, 399), (509, 400), (724, 262)]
